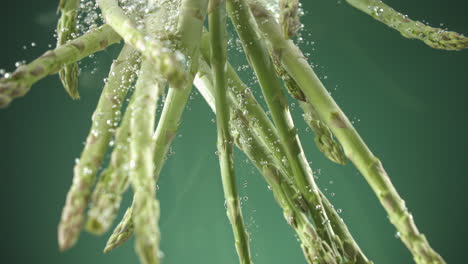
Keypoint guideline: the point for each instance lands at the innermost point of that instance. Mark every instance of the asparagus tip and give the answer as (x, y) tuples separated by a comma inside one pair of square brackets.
[(65, 241)]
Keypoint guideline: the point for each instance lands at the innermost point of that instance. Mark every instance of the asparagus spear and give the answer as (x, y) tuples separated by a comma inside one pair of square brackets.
[(122, 232), (66, 29), (354, 147), (162, 57), (145, 206), (113, 181), (259, 59), (217, 24), (433, 37), (104, 122), (19, 82)]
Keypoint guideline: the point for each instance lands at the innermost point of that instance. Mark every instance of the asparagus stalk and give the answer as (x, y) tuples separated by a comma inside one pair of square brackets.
[(433, 37), (145, 206), (162, 57), (277, 103), (354, 147), (113, 181), (121, 233), (103, 126), (262, 126), (289, 17), (217, 23), (66, 29), (19, 82)]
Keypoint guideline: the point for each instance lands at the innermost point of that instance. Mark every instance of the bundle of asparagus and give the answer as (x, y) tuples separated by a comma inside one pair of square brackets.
[(166, 45)]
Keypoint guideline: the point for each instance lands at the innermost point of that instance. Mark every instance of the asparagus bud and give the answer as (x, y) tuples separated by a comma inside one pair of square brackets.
[(324, 139), (121, 233), (141, 167), (217, 23)]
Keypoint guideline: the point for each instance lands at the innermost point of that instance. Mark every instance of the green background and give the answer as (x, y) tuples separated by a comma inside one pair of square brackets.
[(408, 102)]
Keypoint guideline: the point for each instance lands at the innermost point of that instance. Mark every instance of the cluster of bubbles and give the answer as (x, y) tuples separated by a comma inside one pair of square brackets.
[(88, 17)]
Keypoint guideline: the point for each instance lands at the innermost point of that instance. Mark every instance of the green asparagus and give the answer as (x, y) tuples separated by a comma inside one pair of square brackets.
[(121, 233), (433, 37), (217, 23), (66, 30), (324, 138), (166, 37), (19, 82)]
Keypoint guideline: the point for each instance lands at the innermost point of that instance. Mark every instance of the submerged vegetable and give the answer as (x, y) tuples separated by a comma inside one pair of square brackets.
[(166, 45)]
